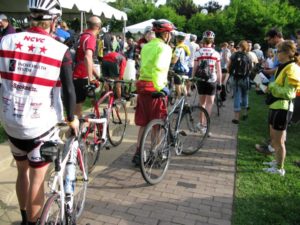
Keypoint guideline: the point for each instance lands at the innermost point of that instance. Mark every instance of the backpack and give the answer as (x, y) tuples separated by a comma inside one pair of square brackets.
[(179, 68), (203, 71), (240, 66)]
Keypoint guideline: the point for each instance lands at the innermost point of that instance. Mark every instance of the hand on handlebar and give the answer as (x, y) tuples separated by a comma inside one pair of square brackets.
[(74, 125), (95, 82)]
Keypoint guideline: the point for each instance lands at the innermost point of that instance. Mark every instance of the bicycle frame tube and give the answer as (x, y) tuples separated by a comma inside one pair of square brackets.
[(100, 121), (181, 104), (110, 96), (59, 177)]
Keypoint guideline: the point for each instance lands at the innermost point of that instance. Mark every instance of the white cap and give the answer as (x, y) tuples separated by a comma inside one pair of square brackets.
[(3, 17)]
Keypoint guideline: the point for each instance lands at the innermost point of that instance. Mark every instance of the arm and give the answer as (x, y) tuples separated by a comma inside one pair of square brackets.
[(122, 68), (195, 68), (285, 91), (69, 97), (88, 61), (219, 73)]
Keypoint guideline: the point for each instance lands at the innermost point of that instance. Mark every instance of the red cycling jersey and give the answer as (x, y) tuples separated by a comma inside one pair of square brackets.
[(87, 41)]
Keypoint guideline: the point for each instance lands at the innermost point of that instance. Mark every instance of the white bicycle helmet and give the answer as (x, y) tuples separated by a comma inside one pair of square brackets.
[(208, 34), (44, 9), (147, 29)]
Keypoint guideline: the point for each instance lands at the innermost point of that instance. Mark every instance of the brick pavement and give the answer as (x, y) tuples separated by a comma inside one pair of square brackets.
[(197, 190)]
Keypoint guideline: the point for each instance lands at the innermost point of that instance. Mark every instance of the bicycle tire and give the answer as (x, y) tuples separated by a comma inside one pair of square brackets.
[(219, 103), (117, 123), (228, 85), (52, 217), (154, 162), (92, 149), (80, 185), (195, 135)]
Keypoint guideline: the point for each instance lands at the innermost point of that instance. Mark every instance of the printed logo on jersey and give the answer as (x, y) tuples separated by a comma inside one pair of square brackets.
[(12, 65)]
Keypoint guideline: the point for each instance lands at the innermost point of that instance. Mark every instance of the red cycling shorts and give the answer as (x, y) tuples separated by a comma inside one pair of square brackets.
[(149, 108)]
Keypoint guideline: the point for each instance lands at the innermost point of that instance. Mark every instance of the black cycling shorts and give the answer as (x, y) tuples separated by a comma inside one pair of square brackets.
[(79, 85), (206, 88), (110, 69), (279, 118), (224, 70), (177, 79)]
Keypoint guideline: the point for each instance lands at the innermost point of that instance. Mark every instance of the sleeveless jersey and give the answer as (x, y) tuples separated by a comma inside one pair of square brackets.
[(30, 101), (212, 56)]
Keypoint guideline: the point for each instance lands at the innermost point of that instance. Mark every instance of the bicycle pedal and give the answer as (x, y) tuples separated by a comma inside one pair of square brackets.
[(107, 147)]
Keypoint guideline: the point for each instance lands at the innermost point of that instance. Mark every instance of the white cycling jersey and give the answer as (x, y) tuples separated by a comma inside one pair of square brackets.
[(212, 56), (30, 102)]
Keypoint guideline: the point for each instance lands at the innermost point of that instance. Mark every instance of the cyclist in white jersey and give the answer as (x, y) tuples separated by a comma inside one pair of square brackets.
[(207, 88), (33, 67)]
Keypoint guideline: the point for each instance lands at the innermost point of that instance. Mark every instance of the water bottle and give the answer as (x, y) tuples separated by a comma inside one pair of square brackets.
[(71, 170)]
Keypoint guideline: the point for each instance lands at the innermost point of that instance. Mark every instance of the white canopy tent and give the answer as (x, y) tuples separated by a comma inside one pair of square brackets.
[(139, 27)]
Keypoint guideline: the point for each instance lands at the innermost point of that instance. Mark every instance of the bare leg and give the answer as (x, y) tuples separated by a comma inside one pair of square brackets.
[(279, 146), (141, 130), (22, 183), (118, 90), (178, 90), (36, 192), (78, 110)]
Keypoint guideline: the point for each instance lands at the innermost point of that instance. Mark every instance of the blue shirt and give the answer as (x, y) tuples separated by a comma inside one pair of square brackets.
[(62, 34)]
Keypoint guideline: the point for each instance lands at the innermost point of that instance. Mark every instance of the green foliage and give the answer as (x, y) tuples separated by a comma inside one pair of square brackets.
[(184, 7), (166, 12), (240, 20)]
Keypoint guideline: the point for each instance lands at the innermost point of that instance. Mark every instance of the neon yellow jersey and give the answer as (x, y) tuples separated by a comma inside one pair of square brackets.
[(155, 62)]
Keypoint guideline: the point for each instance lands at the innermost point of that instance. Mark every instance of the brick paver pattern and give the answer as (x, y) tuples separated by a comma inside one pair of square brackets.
[(197, 190)]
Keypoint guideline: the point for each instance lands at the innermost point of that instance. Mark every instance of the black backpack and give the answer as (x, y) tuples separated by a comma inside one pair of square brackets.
[(240, 65), (203, 71)]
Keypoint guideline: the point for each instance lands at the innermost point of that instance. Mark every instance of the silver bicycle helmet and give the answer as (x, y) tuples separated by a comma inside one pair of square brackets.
[(208, 34), (44, 9)]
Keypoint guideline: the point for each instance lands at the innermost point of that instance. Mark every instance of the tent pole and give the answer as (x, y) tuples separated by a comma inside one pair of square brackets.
[(124, 34), (81, 22)]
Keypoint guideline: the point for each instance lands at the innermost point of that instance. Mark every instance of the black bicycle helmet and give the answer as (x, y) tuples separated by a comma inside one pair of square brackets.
[(44, 9), (160, 26)]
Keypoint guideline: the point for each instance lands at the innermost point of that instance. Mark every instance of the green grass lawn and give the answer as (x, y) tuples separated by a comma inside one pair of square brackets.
[(261, 198)]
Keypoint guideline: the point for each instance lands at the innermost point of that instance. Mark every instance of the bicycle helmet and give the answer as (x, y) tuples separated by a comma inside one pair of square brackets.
[(208, 34), (147, 29), (180, 35), (161, 26), (44, 9), (193, 37)]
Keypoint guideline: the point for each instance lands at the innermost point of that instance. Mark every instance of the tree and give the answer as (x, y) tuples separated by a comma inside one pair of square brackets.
[(184, 7), (212, 7)]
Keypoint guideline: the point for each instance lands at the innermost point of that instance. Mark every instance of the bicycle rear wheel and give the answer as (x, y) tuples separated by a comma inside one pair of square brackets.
[(193, 129), (81, 183), (155, 152), (219, 103), (51, 213), (117, 123)]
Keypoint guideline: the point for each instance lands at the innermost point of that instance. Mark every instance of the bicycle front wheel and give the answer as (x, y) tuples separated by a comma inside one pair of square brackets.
[(51, 213), (117, 123), (194, 129), (155, 152), (88, 139)]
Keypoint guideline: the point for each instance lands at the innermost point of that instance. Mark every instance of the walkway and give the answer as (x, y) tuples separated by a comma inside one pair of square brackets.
[(198, 189)]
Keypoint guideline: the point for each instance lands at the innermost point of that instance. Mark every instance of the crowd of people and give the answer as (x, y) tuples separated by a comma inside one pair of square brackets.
[(49, 58)]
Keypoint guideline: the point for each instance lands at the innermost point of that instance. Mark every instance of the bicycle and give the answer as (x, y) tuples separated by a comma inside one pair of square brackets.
[(61, 207), (181, 131), (95, 136), (173, 94)]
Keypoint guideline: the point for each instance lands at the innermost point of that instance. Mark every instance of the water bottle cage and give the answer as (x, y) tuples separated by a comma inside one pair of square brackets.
[(49, 151)]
